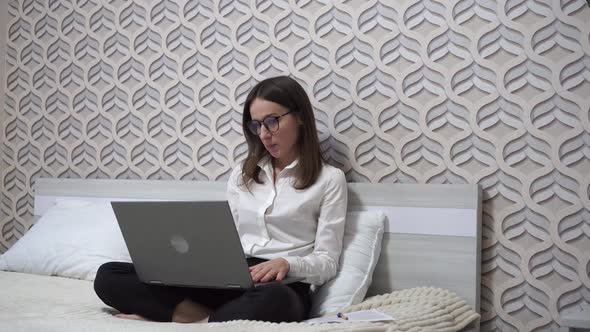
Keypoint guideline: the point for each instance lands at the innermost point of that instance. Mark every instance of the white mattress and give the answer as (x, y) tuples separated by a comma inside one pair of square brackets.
[(40, 303)]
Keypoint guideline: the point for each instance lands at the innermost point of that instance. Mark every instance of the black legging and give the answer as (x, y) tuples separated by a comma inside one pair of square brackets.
[(118, 286)]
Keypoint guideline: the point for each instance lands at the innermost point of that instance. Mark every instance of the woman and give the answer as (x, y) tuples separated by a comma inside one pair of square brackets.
[(289, 209)]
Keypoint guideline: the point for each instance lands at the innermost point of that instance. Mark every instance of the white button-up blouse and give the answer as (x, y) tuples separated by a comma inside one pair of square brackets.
[(303, 226)]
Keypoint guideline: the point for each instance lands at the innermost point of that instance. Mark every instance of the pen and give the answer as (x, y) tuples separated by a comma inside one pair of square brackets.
[(343, 316)]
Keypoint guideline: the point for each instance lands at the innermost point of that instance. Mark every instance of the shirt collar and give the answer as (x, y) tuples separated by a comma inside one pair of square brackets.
[(266, 164)]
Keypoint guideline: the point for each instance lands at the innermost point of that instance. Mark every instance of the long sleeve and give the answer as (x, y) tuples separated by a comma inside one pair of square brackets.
[(322, 264), (232, 194)]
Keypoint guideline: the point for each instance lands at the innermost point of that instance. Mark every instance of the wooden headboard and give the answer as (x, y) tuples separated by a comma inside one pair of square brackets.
[(433, 232), (432, 236)]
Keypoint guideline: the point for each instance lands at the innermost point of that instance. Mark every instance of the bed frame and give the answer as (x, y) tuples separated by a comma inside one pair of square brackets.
[(432, 235)]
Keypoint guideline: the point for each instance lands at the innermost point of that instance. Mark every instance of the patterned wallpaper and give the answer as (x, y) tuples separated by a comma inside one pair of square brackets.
[(3, 35), (413, 91)]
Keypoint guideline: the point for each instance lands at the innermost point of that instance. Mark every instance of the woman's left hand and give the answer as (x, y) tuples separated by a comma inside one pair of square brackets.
[(274, 269)]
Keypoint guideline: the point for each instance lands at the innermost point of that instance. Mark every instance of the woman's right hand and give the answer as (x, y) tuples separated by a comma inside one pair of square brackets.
[(274, 269)]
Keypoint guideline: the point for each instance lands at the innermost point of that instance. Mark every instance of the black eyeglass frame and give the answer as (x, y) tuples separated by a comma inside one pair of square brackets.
[(266, 125)]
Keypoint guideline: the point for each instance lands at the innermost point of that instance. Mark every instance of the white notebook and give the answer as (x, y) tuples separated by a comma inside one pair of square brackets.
[(355, 316)]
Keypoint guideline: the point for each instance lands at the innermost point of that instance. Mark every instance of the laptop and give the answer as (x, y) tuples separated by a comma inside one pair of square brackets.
[(185, 243)]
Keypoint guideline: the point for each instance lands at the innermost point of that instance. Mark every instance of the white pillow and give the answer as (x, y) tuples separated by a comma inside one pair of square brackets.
[(72, 239), (360, 252)]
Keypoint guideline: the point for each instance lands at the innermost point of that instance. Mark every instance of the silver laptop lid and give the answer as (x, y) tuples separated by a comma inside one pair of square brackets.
[(185, 243)]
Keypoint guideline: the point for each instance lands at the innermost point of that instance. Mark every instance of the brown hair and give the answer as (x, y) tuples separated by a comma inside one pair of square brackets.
[(286, 92)]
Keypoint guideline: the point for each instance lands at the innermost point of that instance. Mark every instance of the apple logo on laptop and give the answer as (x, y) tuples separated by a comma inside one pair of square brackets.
[(179, 244)]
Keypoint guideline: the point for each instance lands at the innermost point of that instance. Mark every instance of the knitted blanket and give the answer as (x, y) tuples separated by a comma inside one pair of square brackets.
[(39, 303), (415, 309)]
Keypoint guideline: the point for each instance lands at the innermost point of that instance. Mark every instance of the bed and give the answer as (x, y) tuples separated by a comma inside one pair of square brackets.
[(426, 275)]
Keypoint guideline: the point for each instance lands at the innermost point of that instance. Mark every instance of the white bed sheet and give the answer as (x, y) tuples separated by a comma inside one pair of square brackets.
[(40, 303)]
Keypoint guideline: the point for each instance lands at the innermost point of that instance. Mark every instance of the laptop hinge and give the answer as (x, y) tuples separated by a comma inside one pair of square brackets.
[(233, 286), (156, 282)]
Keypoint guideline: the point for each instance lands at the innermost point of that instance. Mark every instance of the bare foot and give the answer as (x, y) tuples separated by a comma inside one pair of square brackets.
[(132, 316), (188, 311)]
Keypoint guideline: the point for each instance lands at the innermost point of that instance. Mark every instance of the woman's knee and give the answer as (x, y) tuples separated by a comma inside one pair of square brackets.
[(108, 278), (102, 274), (271, 303), (276, 291), (279, 303)]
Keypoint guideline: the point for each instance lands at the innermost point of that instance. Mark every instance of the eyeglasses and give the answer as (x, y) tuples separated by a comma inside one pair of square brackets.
[(271, 123)]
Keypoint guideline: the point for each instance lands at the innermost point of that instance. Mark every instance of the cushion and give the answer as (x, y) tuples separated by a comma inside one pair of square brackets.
[(361, 248), (72, 239)]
